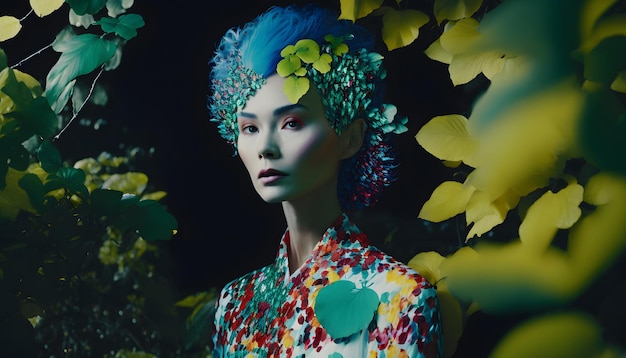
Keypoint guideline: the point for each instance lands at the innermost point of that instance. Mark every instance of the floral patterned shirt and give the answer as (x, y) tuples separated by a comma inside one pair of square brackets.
[(272, 313)]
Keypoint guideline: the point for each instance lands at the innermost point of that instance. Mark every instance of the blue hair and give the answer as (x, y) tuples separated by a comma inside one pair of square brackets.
[(260, 41)]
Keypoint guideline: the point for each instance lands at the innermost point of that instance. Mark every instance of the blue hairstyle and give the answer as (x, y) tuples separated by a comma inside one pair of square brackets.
[(260, 41)]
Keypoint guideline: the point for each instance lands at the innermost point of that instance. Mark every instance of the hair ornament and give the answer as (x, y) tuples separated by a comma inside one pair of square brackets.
[(232, 93), (346, 84)]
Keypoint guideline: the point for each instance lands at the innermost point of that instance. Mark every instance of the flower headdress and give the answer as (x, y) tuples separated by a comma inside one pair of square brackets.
[(346, 83)]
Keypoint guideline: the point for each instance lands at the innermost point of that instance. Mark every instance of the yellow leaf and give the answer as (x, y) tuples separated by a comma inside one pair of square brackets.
[(510, 278), (45, 7), (295, 87), (487, 214), (193, 300), (461, 36), (157, 195), (527, 143), (446, 137), (561, 334), (600, 238), (465, 67), (356, 9), (436, 52), (6, 103), (591, 12), (128, 183), (9, 27), (428, 265), (613, 25), (447, 200), (619, 84), (13, 198), (455, 9), (550, 212), (401, 27)]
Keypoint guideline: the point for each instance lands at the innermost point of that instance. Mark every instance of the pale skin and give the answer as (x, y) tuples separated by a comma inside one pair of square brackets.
[(292, 155)]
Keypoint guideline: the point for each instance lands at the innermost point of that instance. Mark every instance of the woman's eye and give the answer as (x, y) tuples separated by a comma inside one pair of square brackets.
[(293, 124), (249, 129)]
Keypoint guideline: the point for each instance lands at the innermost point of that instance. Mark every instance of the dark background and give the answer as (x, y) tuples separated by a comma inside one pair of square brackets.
[(157, 99)]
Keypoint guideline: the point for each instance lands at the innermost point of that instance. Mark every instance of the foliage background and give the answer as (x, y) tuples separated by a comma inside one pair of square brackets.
[(157, 100)]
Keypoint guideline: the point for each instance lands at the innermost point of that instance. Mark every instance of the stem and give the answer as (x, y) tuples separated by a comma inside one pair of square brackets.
[(31, 56), (76, 111), (28, 14)]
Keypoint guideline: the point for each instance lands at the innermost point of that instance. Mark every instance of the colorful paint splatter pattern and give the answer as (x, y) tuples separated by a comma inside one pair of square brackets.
[(271, 313)]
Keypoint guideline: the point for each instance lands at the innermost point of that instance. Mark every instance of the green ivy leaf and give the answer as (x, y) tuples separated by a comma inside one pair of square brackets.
[(125, 26), (80, 55), (49, 157), (82, 7), (342, 309)]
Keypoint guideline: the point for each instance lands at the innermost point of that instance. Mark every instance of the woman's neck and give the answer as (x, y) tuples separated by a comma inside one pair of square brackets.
[(307, 220)]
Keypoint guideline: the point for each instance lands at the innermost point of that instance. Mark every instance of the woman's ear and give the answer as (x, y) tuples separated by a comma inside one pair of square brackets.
[(353, 138)]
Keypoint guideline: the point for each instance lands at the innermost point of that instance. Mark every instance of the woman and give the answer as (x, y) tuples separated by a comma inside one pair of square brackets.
[(298, 95)]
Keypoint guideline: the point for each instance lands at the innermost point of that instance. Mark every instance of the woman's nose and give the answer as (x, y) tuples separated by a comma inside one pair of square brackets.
[(269, 148)]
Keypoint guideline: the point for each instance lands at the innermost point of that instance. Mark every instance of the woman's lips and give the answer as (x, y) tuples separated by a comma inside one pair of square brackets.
[(268, 176)]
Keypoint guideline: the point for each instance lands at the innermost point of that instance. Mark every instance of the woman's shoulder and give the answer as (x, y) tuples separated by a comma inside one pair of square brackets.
[(244, 283)]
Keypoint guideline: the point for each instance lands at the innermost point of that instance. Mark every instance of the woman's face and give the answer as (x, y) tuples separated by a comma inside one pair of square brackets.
[(290, 150)]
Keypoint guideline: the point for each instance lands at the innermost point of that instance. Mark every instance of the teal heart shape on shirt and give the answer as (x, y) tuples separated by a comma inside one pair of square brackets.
[(343, 309)]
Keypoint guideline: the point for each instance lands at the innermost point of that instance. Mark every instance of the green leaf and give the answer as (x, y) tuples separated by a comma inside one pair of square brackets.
[(71, 179), (606, 60), (33, 114), (19, 158), (33, 186), (153, 222), (342, 309), (3, 60), (82, 7), (602, 132), (80, 55), (106, 202), (125, 26), (49, 157)]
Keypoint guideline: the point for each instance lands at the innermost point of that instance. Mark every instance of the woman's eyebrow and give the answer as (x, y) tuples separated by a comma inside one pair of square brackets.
[(277, 112), (280, 110)]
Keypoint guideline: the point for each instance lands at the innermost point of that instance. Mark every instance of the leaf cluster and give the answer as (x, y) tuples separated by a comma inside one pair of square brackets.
[(82, 267), (542, 154)]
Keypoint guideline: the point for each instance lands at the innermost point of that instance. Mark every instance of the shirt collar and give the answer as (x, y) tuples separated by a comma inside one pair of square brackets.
[(341, 233)]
